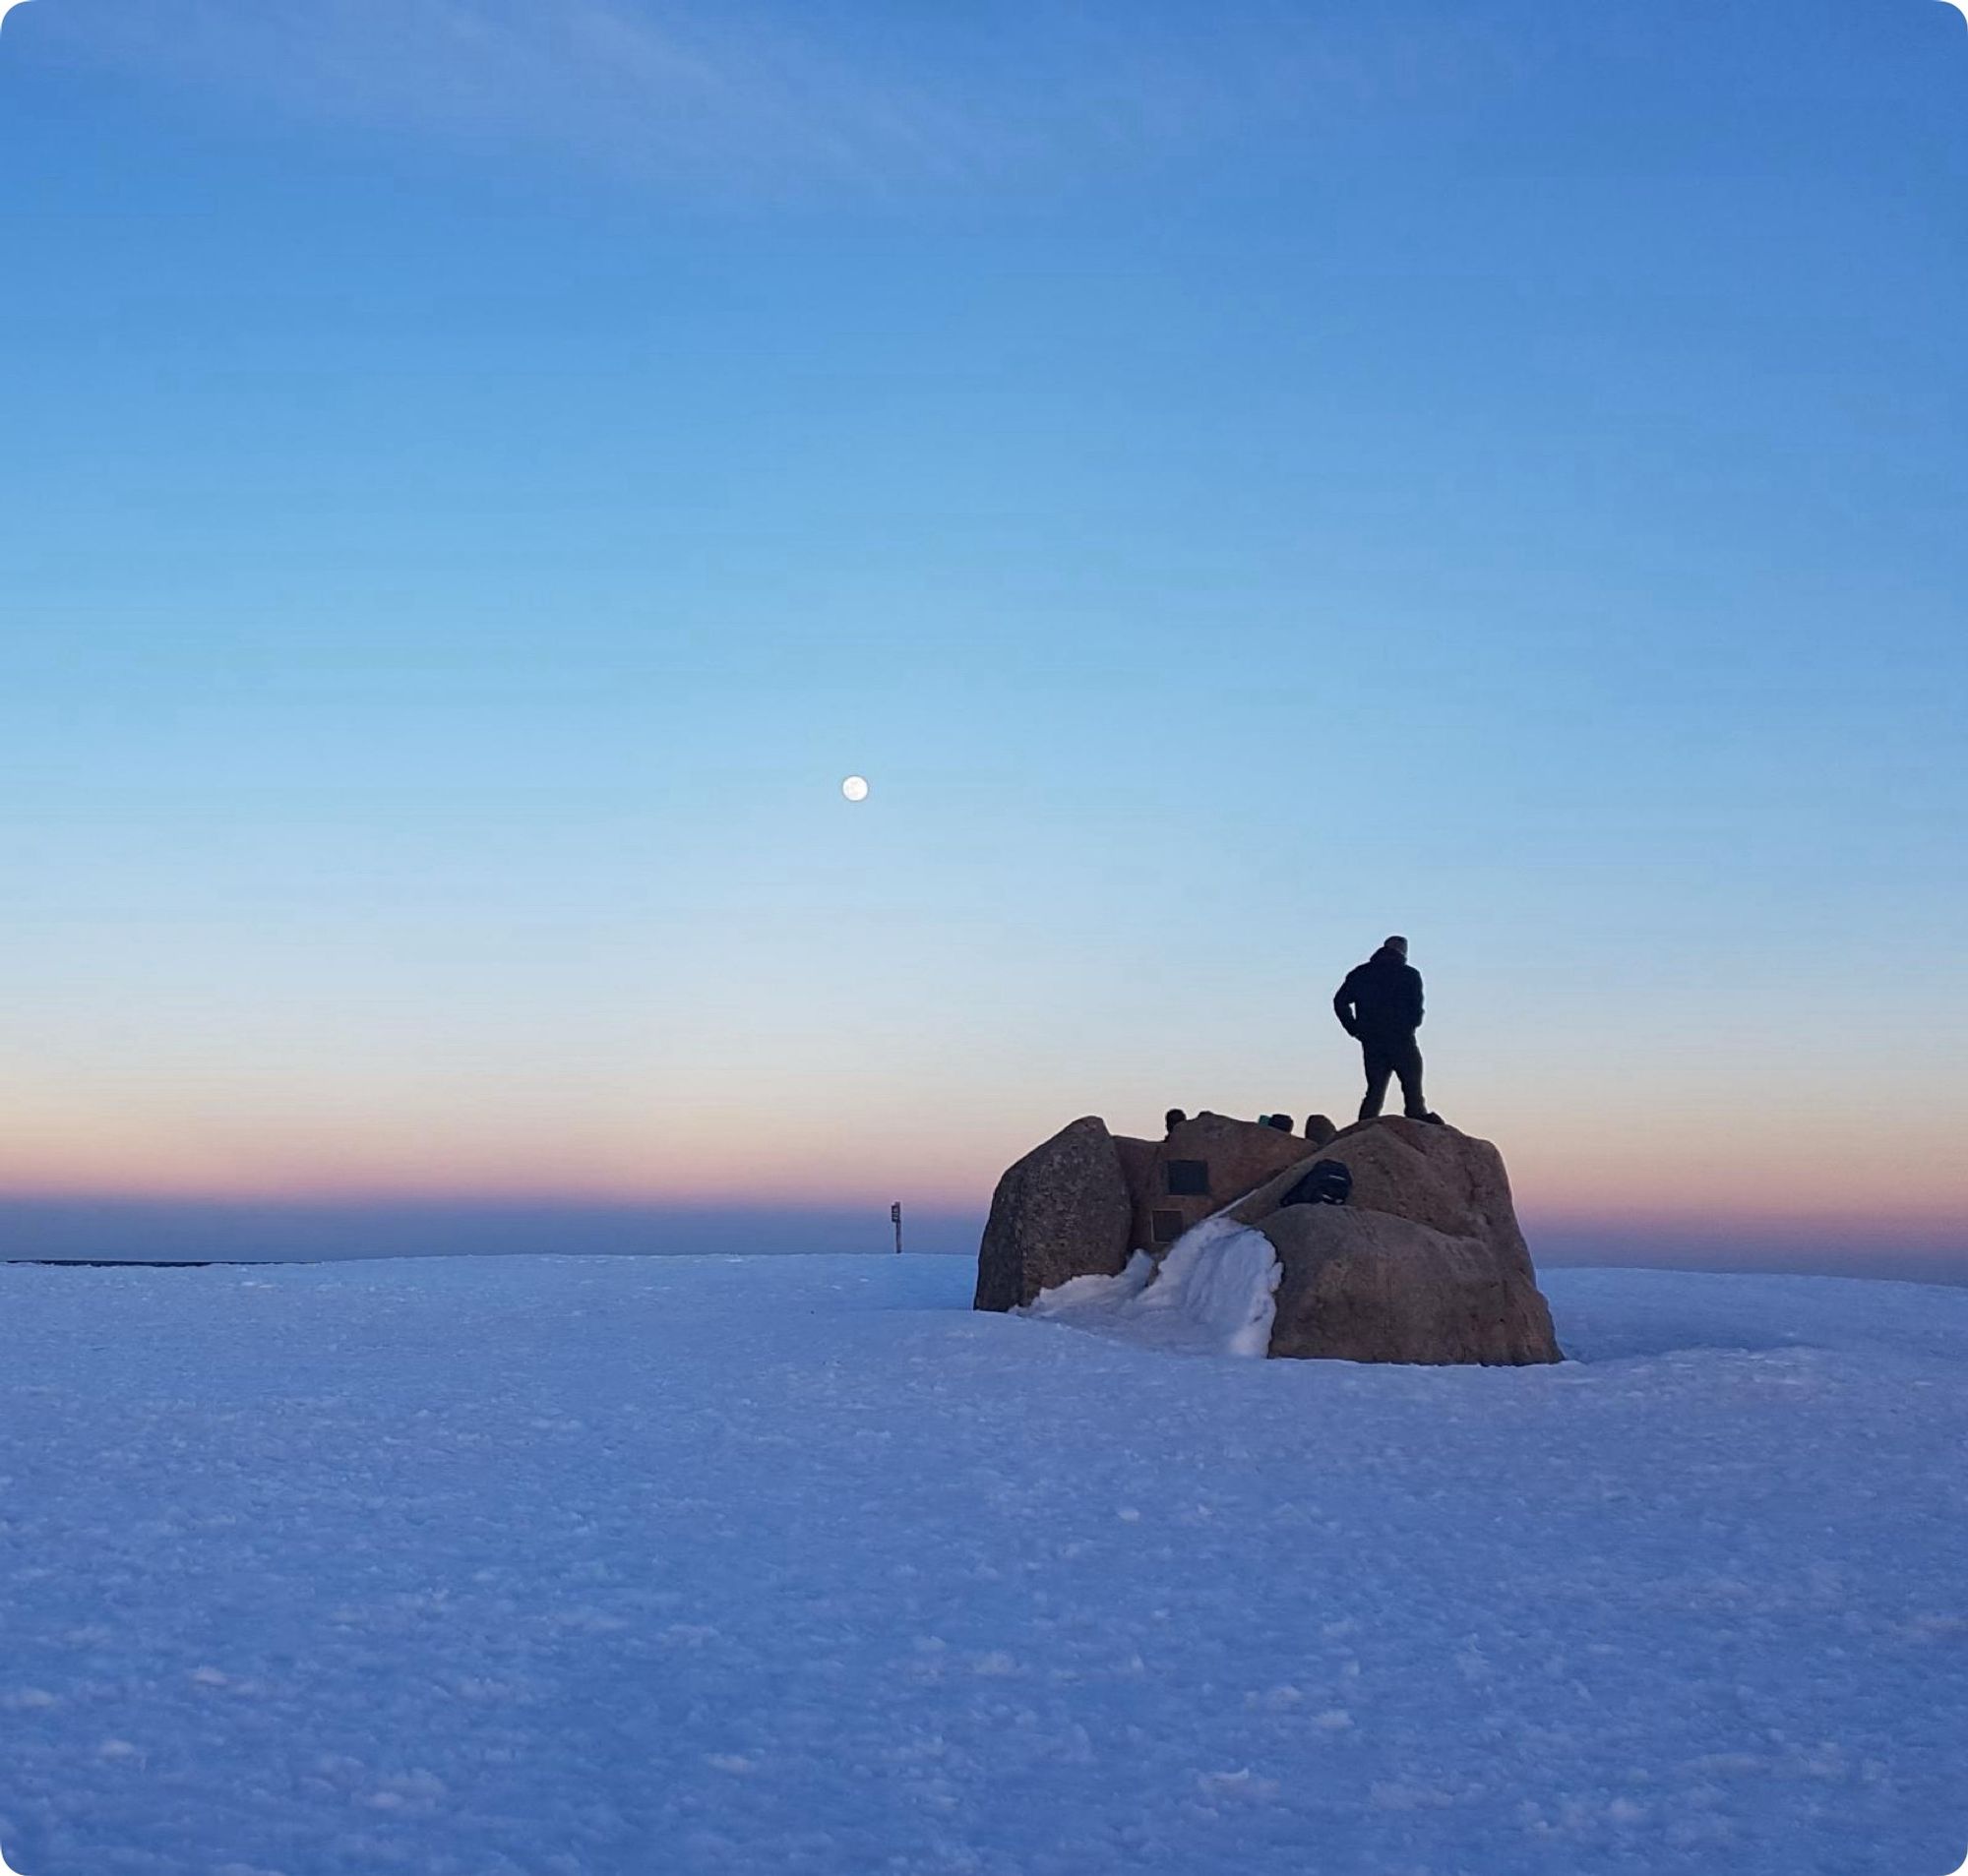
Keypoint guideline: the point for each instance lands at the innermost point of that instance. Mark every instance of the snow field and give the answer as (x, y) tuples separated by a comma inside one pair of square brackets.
[(596, 1567)]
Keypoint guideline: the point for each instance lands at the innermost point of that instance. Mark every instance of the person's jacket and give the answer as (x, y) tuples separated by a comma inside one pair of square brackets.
[(1382, 997)]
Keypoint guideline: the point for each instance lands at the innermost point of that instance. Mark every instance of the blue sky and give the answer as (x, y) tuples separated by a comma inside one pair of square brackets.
[(1237, 480)]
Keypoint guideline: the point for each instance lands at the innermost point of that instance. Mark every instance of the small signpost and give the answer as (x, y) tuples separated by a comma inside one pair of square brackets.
[(895, 1218)]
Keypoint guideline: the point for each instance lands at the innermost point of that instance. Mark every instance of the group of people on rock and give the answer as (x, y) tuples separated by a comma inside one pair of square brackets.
[(1380, 1005)]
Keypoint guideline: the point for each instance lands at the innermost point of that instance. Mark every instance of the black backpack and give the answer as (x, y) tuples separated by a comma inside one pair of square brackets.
[(1330, 1183)]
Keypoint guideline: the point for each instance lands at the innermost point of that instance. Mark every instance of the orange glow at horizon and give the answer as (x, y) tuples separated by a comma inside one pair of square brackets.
[(1888, 1179)]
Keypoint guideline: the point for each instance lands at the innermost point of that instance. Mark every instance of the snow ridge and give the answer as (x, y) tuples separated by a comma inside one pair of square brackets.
[(1214, 1293)]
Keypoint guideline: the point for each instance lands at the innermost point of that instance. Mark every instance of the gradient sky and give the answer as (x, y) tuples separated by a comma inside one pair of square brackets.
[(1239, 478)]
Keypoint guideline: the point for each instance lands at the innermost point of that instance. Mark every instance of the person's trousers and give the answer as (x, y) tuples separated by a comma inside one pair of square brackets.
[(1387, 1056)]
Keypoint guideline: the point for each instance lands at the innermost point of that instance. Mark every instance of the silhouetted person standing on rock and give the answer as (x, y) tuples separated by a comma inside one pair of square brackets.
[(1381, 1003)]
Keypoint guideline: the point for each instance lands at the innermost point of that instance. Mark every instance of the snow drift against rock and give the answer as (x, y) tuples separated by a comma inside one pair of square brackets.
[(1213, 1294)]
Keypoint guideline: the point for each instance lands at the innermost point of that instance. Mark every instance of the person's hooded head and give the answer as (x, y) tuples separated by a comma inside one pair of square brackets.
[(1395, 948)]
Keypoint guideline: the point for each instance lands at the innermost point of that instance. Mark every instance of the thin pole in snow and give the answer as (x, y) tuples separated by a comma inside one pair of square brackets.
[(896, 1217)]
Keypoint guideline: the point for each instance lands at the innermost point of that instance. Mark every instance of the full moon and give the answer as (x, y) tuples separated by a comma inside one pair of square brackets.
[(855, 788)]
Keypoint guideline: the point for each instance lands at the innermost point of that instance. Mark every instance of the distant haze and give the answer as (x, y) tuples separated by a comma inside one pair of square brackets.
[(183, 1232), (72, 1230)]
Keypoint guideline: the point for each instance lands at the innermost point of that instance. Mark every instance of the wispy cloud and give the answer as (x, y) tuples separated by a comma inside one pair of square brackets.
[(669, 94), (743, 99)]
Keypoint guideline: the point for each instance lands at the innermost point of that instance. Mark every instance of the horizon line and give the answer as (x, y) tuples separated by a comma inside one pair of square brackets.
[(1921, 1230)]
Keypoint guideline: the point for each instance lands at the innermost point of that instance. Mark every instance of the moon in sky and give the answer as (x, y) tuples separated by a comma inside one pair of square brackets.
[(855, 788)]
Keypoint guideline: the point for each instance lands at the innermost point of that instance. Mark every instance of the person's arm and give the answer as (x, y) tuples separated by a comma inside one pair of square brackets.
[(1342, 1007), (1418, 998)]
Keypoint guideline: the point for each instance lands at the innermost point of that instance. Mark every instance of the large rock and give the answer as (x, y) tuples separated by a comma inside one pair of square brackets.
[(1234, 1157), (1437, 1175), (1138, 1166), (1063, 1211), (1427, 1264), (1364, 1286)]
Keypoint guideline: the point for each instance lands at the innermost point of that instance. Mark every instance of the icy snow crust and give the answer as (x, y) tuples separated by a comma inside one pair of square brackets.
[(1215, 1293), (619, 1568)]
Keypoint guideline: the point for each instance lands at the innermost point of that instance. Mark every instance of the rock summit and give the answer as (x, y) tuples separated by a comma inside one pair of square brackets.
[(1426, 1263)]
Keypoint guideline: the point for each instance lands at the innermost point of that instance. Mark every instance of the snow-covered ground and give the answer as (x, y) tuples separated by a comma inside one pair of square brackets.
[(604, 1566)]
